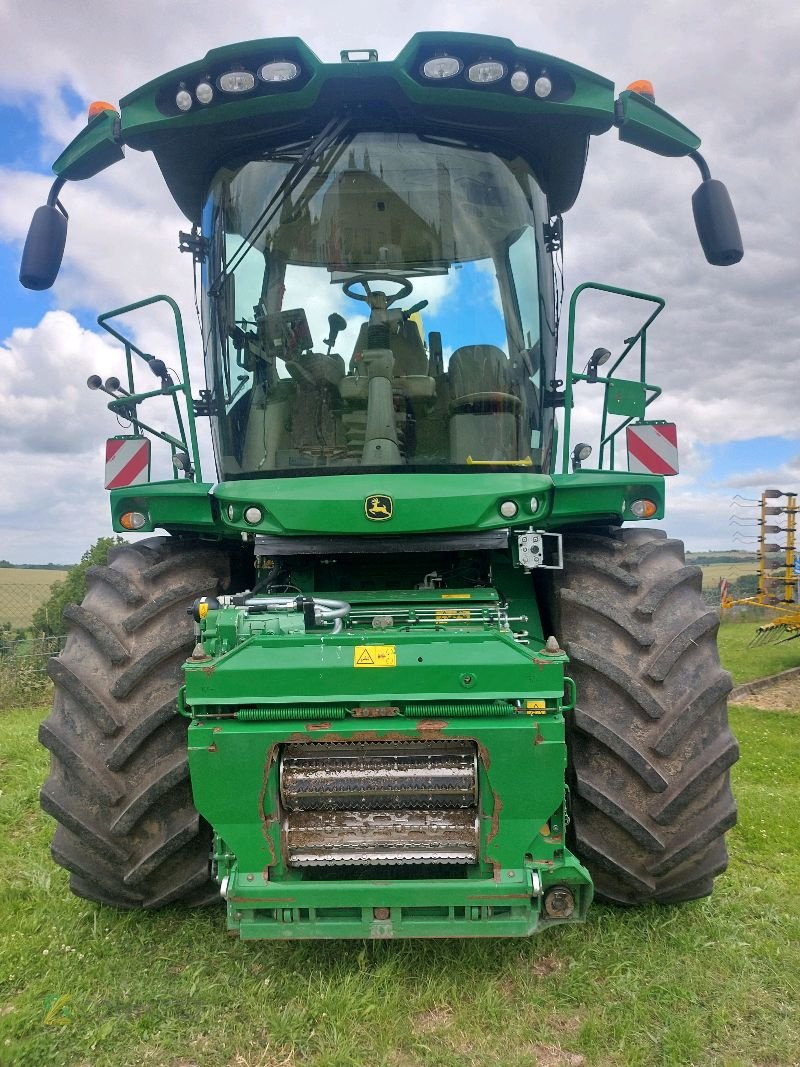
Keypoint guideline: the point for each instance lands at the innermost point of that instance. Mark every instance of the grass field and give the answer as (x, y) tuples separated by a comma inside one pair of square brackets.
[(747, 663), (713, 982), (22, 591)]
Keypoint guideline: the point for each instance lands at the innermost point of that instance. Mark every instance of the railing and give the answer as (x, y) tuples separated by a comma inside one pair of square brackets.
[(627, 398), (127, 405)]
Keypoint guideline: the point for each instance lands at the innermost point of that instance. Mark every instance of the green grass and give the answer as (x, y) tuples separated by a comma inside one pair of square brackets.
[(22, 591), (746, 664), (713, 982)]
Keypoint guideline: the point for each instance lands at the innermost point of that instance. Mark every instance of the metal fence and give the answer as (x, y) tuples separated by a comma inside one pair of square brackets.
[(23, 668), (24, 651)]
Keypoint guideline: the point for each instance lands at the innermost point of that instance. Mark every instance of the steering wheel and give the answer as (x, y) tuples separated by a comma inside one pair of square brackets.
[(364, 279)]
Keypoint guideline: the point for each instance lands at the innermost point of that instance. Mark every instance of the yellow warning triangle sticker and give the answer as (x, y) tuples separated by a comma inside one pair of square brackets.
[(365, 659)]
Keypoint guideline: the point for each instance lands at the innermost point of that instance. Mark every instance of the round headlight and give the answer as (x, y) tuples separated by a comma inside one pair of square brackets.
[(237, 81), (281, 71), (230, 512), (508, 509), (204, 93), (543, 86), (253, 515), (183, 100), (534, 505), (520, 81), (486, 72), (441, 67)]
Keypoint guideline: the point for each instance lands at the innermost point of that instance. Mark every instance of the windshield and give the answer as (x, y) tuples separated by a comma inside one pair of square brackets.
[(377, 300)]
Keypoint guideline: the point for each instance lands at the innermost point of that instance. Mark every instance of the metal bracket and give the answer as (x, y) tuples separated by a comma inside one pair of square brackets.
[(540, 549), (202, 404), (195, 243), (555, 396)]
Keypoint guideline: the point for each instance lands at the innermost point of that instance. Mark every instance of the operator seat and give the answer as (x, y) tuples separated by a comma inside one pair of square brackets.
[(410, 357), (484, 413)]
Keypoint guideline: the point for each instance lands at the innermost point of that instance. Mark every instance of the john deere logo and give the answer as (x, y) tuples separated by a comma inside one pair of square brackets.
[(379, 508)]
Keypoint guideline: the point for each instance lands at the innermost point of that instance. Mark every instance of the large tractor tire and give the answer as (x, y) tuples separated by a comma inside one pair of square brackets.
[(649, 744), (118, 787)]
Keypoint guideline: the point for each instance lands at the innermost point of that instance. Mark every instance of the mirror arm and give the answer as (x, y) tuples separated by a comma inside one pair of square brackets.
[(52, 196), (702, 166)]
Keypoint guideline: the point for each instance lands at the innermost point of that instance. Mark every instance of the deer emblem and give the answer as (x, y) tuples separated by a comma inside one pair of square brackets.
[(378, 507)]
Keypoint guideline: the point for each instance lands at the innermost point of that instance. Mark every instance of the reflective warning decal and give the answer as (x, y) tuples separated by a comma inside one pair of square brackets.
[(653, 448), (127, 461), (375, 656)]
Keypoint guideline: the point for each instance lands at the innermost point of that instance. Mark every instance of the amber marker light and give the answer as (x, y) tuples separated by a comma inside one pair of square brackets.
[(97, 107), (644, 509), (644, 88), (132, 520)]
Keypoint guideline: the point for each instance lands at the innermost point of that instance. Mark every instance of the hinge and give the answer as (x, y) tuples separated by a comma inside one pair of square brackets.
[(553, 234)]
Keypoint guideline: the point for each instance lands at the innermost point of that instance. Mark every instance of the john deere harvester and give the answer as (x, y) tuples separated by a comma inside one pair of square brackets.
[(400, 670)]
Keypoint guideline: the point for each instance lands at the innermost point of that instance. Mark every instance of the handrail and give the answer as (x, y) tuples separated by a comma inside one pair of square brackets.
[(571, 377), (184, 386)]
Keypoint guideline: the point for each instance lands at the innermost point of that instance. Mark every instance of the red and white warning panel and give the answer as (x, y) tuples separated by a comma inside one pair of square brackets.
[(653, 448), (127, 461)]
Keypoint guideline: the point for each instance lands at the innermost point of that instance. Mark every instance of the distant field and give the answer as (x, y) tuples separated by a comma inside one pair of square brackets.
[(713, 572), (22, 591)]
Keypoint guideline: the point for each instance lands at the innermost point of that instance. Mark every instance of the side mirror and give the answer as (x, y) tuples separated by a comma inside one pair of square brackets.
[(716, 224), (44, 247)]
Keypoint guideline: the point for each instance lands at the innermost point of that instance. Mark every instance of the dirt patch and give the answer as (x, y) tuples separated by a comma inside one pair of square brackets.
[(553, 1056), (431, 1022), (547, 966), (783, 696)]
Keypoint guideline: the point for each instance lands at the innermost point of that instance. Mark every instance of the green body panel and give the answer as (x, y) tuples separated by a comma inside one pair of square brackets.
[(644, 124), (267, 899), (451, 664), (554, 131), (94, 149), (423, 503)]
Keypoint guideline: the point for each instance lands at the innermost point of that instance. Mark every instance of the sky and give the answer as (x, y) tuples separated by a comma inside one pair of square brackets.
[(725, 351)]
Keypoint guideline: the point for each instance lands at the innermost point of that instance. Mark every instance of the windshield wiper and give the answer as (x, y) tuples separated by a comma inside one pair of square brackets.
[(329, 135)]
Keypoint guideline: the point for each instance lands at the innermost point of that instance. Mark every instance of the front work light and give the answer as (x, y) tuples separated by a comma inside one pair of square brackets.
[(580, 454), (183, 100), (486, 72), (204, 93), (520, 81), (543, 87), (441, 67), (280, 71), (237, 81)]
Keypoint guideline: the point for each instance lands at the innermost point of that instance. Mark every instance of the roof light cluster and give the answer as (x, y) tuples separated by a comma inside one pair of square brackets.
[(489, 71), (234, 83)]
